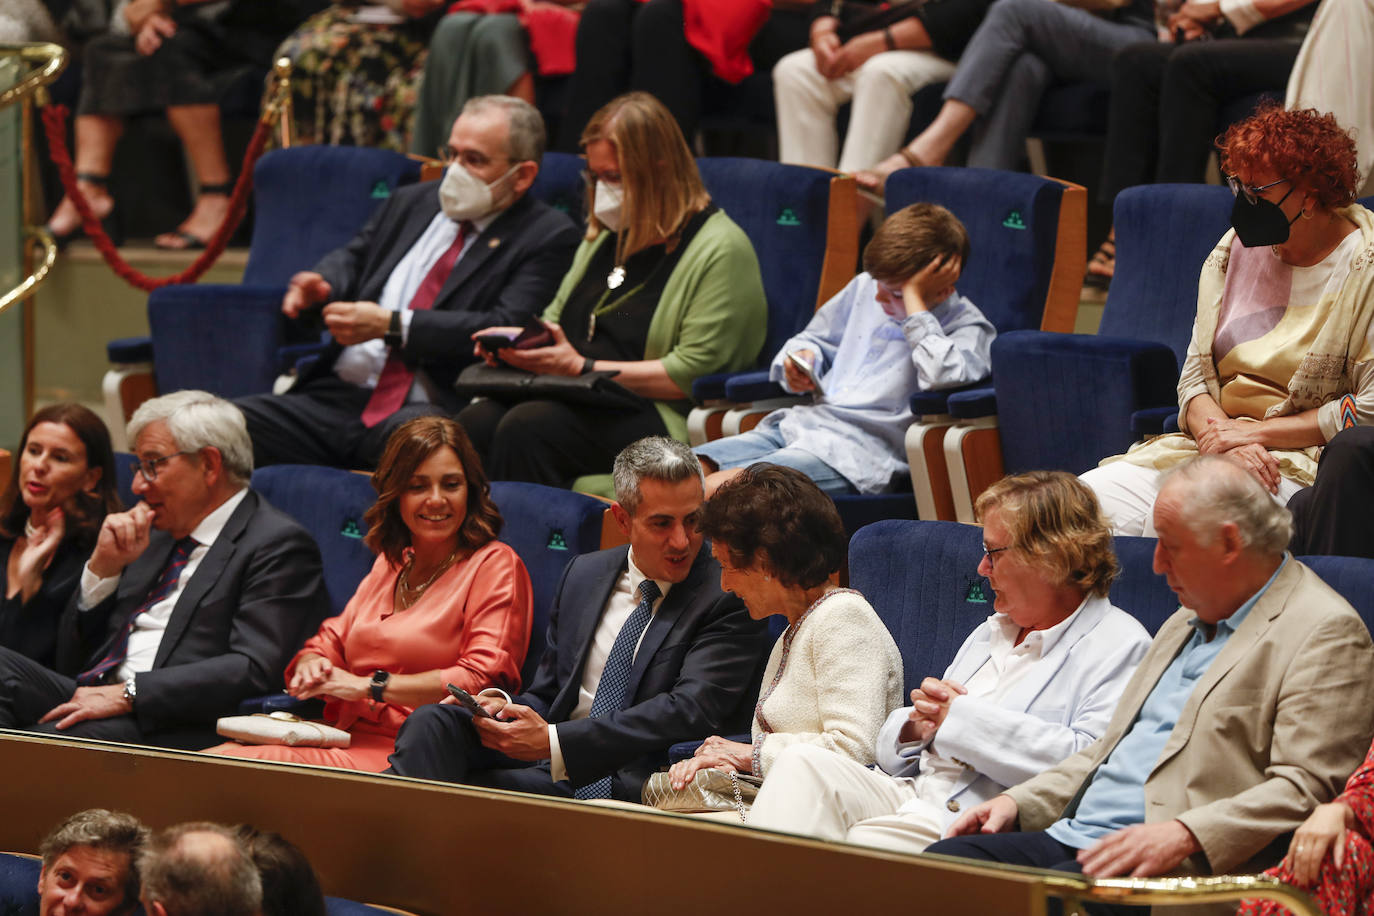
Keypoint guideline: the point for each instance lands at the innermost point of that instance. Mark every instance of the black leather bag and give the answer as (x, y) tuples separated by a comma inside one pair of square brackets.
[(505, 383)]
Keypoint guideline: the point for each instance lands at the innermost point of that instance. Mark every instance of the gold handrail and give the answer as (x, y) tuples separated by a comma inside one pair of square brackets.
[(53, 59), (1075, 890), (32, 281)]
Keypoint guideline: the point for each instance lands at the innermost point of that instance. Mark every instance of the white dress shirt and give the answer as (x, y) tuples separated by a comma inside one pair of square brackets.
[(361, 364), (152, 623), (624, 598)]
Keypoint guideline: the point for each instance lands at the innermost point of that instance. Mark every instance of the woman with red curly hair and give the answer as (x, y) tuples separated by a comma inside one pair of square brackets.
[(1280, 356)]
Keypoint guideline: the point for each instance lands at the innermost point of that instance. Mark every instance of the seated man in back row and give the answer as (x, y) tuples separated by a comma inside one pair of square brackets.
[(1252, 706), (644, 650), (192, 601), (896, 329), (437, 262)]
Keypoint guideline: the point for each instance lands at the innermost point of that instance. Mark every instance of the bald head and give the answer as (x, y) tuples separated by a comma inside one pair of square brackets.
[(199, 870)]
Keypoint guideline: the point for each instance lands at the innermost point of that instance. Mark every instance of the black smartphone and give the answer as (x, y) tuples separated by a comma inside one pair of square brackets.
[(469, 702), (532, 335)]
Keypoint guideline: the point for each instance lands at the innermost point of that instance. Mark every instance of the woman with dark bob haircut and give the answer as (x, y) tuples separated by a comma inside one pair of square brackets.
[(445, 603), (1280, 357), (780, 545), (61, 486)]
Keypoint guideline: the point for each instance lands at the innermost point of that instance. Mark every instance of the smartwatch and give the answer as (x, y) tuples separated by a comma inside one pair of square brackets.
[(378, 684)]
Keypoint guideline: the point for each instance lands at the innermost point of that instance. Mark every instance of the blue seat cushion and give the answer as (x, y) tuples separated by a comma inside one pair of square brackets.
[(130, 350)]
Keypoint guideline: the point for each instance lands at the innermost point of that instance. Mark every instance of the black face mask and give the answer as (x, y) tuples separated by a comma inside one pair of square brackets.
[(1260, 223)]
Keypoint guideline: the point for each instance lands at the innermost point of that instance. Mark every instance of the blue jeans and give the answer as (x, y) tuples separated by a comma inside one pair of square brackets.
[(768, 445)]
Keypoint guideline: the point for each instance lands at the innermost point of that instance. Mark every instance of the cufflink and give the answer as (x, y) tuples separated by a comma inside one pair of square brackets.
[(493, 243)]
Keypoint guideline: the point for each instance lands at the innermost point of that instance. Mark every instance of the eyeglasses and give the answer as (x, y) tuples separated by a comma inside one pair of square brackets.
[(468, 159), (992, 552), (1251, 193), (608, 177), (148, 467)]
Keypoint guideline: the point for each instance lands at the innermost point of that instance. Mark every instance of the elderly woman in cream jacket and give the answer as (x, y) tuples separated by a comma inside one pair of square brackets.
[(835, 673), (1034, 683)]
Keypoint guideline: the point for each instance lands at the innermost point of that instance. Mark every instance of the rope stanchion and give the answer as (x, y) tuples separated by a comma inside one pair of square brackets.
[(54, 124)]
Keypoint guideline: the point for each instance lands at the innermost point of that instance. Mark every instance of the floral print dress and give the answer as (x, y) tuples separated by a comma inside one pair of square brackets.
[(1349, 890)]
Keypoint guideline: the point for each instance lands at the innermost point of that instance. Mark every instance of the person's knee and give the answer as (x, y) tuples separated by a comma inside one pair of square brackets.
[(1352, 447), (882, 72), (801, 763), (795, 71)]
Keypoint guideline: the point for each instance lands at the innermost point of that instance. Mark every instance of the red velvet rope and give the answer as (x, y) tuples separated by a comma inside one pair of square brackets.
[(54, 123)]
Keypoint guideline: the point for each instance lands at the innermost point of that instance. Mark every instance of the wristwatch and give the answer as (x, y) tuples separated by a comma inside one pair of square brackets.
[(378, 685), (392, 337), (131, 689)]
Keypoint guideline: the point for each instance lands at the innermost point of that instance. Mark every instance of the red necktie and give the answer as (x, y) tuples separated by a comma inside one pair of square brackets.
[(393, 384)]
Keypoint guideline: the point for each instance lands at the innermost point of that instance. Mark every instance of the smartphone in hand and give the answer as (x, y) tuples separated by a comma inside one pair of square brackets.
[(805, 369), (469, 702)]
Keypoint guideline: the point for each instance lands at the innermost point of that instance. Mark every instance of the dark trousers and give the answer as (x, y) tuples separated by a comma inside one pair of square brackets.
[(625, 44), (439, 742), (1035, 850), (550, 442), (1166, 98), (321, 423), (28, 691), (1332, 516)]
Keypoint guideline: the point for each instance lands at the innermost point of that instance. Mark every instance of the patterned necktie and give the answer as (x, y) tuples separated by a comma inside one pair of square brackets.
[(615, 677), (165, 585), (393, 384)]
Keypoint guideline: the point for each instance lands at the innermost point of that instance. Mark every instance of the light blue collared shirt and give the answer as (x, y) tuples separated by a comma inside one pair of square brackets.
[(1115, 799)]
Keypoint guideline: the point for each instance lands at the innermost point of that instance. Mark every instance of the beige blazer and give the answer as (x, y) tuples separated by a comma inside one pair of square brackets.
[(1275, 726)]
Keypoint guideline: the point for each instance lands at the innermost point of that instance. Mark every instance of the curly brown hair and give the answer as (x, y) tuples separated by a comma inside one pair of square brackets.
[(1054, 520), (409, 447), (778, 517), (1305, 146)]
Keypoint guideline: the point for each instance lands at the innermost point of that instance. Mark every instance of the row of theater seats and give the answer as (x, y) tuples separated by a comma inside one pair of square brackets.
[(19, 879)]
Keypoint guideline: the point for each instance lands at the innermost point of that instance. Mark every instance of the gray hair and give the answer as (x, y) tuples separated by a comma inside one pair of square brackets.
[(197, 420), (526, 139), (99, 828), (657, 458), (1219, 491), (200, 869)]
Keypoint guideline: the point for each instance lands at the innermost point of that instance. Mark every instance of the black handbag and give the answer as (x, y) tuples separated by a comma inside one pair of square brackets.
[(506, 383)]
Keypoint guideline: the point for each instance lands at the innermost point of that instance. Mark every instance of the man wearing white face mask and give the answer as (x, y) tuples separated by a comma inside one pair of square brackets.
[(898, 328), (436, 262)]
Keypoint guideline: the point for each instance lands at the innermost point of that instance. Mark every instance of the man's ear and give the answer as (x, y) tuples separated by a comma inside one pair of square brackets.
[(212, 460), (1231, 541), (622, 518), (524, 177)]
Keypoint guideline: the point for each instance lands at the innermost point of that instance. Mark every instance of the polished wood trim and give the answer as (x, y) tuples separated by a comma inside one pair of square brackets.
[(1070, 260), (841, 239)]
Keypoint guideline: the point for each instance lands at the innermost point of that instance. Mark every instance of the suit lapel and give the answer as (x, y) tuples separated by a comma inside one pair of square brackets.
[(134, 585), (1037, 679), (598, 594), (661, 624), (486, 246), (406, 237), (207, 573)]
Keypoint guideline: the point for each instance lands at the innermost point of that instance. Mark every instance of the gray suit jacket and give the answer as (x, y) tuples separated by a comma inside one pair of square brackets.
[(1276, 725)]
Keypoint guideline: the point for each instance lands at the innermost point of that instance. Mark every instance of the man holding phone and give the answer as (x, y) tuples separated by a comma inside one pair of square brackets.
[(436, 262)]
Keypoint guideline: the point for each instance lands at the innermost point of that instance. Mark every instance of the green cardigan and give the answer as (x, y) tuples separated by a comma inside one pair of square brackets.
[(712, 316)]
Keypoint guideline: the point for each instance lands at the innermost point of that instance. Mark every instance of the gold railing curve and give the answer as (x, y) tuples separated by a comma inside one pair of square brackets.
[(1075, 891), (46, 61)]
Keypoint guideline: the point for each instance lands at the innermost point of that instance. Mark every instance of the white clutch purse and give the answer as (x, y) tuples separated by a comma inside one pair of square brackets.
[(281, 728)]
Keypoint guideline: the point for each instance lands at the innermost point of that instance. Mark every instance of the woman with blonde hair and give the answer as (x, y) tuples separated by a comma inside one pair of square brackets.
[(664, 288)]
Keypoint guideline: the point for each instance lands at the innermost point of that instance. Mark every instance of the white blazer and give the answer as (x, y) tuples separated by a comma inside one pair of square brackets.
[(1057, 708)]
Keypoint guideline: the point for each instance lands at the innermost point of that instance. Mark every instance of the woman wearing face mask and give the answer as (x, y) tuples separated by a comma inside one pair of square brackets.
[(61, 486), (1280, 356), (897, 328), (664, 288)]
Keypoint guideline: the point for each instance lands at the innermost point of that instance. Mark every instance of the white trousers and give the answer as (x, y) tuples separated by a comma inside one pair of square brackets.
[(1126, 492), (881, 90), (816, 792)]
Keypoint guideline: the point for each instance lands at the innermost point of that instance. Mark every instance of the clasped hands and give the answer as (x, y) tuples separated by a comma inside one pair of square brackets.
[(349, 322), (1238, 441), (1138, 851), (518, 732), (1195, 18), (715, 751), (557, 358), (929, 706), (317, 676)]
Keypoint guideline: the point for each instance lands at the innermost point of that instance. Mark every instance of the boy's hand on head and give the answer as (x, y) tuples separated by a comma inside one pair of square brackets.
[(932, 283)]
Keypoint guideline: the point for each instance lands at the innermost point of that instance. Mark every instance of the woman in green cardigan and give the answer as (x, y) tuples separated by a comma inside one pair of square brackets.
[(664, 288)]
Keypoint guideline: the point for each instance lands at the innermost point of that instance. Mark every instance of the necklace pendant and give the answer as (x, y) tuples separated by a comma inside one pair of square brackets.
[(615, 277), (591, 327)]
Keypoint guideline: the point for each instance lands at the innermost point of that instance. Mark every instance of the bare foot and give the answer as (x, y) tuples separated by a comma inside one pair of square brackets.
[(873, 179), (200, 226), (66, 219)]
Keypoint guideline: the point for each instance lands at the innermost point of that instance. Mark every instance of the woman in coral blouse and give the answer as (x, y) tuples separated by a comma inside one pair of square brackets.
[(445, 603)]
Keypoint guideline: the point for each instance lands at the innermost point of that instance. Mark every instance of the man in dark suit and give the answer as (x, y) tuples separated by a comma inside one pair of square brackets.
[(644, 650), (438, 262), (192, 601)]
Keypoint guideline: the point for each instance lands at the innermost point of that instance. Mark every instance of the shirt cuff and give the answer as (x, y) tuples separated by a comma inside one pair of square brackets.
[(558, 771), (1242, 14), (919, 325), (95, 589), (406, 315)]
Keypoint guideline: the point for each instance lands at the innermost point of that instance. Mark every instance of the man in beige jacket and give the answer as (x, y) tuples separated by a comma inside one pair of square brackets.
[(1251, 707)]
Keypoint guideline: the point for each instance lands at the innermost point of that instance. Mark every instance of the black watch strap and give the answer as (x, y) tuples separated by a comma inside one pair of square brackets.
[(392, 338), (378, 685)]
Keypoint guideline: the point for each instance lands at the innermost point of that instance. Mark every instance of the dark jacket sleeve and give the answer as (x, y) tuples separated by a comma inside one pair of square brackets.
[(716, 669), (345, 267), (279, 597)]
